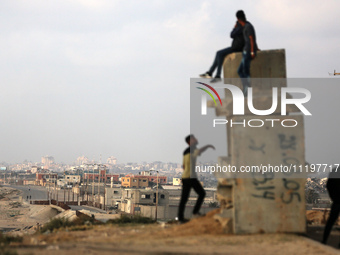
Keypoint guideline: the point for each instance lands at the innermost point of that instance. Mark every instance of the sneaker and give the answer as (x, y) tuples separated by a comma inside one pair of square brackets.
[(182, 221), (198, 215), (206, 75), (216, 79)]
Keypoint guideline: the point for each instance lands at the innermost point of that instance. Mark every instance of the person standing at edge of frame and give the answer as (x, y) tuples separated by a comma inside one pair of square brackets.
[(333, 188)]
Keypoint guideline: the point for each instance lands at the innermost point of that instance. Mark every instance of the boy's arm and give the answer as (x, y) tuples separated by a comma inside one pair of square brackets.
[(236, 31), (252, 52), (204, 148)]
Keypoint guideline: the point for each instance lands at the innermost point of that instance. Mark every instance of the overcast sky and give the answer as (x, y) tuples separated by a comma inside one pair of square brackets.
[(91, 77)]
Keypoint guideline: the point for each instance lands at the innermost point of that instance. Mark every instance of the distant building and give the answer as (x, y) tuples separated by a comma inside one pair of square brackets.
[(29, 182), (135, 181), (112, 160), (145, 173), (113, 196), (143, 202), (72, 178), (61, 182), (46, 178), (153, 178), (141, 181), (176, 181), (82, 160), (90, 176), (35, 169), (47, 161)]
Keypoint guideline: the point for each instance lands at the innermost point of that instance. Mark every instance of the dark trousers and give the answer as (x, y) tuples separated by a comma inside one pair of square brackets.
[(244, 71), (187, 185), (334, 193), (218, 61), (333, 216)]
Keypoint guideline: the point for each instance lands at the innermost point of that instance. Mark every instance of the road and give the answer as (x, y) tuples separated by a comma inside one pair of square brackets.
[(33, 192), (41, 193)]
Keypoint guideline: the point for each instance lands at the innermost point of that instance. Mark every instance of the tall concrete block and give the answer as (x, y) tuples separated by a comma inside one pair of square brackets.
[(269, 202), (262, 202)]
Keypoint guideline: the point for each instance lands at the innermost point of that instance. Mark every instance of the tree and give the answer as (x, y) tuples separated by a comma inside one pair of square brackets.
[(213, 204), (312, 196)]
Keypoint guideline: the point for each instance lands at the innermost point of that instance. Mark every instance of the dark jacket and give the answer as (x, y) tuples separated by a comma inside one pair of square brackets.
[(238, 38)]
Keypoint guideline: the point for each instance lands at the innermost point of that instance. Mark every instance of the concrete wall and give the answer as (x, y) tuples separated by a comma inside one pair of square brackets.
[(150, 211)]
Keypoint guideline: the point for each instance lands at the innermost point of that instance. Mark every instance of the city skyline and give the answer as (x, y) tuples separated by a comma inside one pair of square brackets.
[(108, 160)]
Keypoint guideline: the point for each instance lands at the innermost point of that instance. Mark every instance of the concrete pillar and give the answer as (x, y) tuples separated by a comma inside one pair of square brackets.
[(262, 203)]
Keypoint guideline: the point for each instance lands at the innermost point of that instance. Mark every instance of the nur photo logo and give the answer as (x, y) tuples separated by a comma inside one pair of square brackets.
[(204, 98), (239, 101)]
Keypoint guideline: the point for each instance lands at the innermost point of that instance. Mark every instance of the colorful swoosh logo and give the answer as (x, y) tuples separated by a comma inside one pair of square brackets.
[(208, 86)]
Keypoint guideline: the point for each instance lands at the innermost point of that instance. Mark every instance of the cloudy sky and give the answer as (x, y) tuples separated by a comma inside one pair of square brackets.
[(91, 77)]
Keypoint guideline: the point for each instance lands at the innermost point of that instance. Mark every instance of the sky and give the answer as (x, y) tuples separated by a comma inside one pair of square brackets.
[(111, 78)]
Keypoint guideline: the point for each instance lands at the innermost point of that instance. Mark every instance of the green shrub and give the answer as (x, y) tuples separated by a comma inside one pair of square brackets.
[(213, 204), (312, 196), (5, 239), (81, 223), (56, 223), (135, 219)]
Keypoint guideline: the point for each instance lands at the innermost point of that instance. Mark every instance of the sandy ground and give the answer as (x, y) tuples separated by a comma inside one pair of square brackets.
[(151, 241), (319, 217), (199, 236), (18, 214)]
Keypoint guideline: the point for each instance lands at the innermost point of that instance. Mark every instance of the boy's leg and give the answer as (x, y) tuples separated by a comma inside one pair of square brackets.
[(214, 65), (217, 61), (201, 194), (333, 216), (184, 198), (244, 72), (241, 68), (220, 59)]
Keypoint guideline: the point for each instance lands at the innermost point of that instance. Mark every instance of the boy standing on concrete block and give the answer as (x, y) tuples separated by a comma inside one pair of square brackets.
[(249, 50)]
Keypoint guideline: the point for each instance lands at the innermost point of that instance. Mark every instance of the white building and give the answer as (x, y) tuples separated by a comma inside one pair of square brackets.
[(47, 161), (72, 179)]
